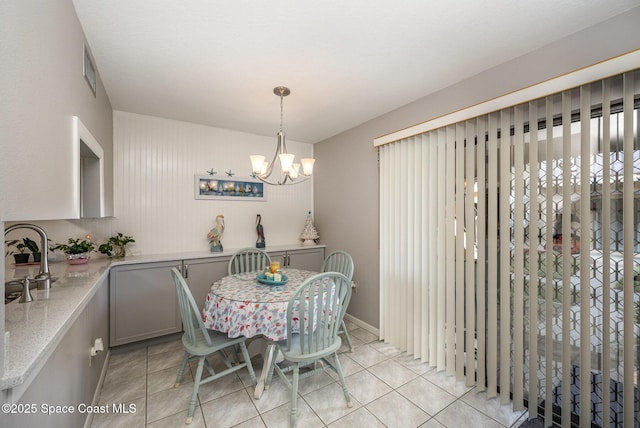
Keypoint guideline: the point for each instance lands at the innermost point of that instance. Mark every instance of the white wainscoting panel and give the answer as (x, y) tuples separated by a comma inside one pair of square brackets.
[(155, 161)]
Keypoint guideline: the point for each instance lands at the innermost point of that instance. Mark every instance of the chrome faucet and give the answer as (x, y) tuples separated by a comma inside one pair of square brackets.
[(43, 276)]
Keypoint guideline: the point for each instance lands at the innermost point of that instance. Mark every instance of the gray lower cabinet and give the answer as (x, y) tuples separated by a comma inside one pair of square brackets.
[(303, 258), (201, 273), (69, 377), (143, 302)]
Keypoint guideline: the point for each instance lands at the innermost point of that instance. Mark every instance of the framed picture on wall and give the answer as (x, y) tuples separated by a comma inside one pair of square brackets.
[(89, 71), (229, 188)]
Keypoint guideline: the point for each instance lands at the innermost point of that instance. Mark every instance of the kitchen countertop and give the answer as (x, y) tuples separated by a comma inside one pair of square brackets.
[(34, 330)]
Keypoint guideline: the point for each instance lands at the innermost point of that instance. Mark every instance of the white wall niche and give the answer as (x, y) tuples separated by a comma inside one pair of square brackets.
[(88, 177)]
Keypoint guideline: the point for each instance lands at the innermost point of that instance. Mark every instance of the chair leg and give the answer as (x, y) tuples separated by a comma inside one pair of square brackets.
[(294, 395), (185, 360), (247, 360), (226, 360), (234, 355), (343, 327), (347, 396), (196, 386), (270, 369), (209, 367)]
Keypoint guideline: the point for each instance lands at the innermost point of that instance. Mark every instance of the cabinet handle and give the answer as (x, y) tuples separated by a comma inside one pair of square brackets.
[(184, 270)]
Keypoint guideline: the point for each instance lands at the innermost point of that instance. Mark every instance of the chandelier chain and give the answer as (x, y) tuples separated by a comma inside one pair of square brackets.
[(281, 112)]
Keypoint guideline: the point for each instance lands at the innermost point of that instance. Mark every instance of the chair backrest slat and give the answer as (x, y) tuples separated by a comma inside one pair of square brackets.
[(248, 260), (319, 304), (339, 261), (191, 318)]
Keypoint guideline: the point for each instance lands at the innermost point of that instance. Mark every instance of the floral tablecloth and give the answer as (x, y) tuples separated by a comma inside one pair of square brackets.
[(241, 306)]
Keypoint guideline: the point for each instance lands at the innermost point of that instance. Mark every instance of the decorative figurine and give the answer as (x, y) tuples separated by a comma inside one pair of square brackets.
[(215, 235), (260, 243), (309, 233)]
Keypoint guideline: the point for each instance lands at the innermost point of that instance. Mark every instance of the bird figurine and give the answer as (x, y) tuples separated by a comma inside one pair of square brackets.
[(215, 235), (260, 243)]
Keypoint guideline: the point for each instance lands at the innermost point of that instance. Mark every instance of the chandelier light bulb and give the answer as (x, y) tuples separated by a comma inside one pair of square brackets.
[(256, 163), (286, 162), (295, 171), (307, 166)]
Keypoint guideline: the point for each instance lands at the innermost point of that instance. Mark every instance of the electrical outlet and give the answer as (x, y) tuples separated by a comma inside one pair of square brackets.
[(354, 287)]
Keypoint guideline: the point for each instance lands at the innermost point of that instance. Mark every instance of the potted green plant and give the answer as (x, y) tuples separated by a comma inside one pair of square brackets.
[(20, 257), (33, 247), (76, 250), (116, 245)]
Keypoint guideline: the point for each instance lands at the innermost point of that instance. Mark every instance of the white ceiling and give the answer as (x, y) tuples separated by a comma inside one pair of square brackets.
[(216, 62)]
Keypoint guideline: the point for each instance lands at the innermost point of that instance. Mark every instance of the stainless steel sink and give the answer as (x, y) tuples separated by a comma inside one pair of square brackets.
[(13, 289)]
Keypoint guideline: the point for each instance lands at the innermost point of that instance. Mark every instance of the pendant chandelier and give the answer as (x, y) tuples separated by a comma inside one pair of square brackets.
[(283, 169)]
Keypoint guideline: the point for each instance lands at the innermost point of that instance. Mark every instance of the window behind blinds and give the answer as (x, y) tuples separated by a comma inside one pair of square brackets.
[(510, 251)]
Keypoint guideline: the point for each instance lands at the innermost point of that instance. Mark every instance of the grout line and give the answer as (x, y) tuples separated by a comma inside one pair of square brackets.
[(146, 386), (364, 406)]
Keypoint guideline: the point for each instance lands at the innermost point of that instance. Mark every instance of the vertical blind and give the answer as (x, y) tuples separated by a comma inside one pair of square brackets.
[(510, 252)]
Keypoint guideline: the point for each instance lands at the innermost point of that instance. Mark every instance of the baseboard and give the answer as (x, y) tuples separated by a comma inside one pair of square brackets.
[(96, 393), (360, 323)]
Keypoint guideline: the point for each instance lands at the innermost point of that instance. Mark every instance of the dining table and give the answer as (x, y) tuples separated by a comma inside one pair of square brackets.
[(242, 305)]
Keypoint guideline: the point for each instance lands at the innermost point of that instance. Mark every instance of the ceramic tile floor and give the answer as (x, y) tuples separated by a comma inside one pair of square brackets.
[(388, 388)]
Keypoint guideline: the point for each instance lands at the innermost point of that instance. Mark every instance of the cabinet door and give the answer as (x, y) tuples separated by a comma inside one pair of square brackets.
[(200, 274), (68, 377), (143, 302), (306, 259)]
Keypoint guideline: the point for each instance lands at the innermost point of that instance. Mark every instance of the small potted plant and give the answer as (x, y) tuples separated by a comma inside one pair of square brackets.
[(76, 250), (116, 245), (20, 257), (33, 247)]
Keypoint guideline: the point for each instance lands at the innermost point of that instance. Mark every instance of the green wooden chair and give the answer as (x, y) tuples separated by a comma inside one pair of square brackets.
[(199, 343), (248, 260), (340, 261), (318, 305)]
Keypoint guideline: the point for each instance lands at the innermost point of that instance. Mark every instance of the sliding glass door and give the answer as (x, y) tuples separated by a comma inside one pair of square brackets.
[(579, 284), (510, 252)]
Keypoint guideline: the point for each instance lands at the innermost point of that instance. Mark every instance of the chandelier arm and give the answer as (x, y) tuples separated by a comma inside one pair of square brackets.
[(279, 183), (269, 170), (280, 148)]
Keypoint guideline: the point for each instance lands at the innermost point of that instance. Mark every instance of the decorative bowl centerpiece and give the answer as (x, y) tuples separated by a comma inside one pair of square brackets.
[(264, 279)]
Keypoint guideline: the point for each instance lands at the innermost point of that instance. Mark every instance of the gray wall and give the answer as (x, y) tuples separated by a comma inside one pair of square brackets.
[(346, 190), (41, 88)]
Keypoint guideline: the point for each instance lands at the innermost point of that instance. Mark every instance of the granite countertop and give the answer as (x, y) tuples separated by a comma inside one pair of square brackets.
[(33, 330)]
